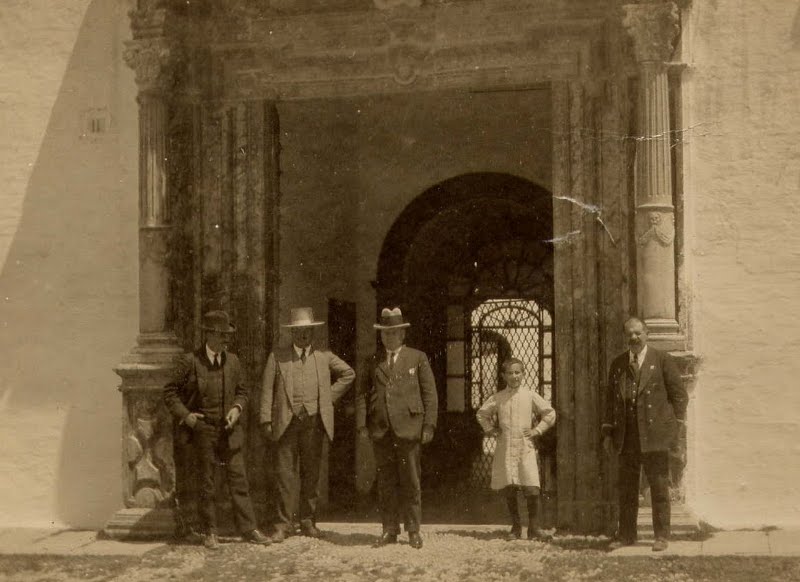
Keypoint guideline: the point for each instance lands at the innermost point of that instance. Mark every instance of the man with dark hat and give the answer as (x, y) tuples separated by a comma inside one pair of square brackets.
[(396, 407), (206, 398), (298, 390)]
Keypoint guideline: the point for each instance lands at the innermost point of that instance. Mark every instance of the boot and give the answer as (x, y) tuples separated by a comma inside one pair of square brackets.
[(513, 509), (534, 533)]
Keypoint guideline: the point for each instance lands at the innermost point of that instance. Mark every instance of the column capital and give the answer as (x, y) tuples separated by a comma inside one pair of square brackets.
[(653, 28), (152, 53)]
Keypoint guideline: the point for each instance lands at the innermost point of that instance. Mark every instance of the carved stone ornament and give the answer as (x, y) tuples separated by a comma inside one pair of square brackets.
[(653, 28), (660, 228), (152, 61), (148, 458), (410, 44), (389, 4)]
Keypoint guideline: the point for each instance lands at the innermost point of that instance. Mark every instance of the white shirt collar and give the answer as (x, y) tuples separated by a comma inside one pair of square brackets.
[(640, 357), (299, 351), (396, 353), (211, 353)]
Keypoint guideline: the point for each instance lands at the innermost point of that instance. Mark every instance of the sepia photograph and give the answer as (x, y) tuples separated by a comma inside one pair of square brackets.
[(400, 290)]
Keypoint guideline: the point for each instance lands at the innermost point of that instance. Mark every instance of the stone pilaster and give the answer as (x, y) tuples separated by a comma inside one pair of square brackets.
[(654, 28), (148, 474)]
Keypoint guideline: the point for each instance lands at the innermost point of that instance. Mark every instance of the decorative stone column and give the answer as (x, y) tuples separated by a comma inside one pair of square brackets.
[(654, 27), (148, 474)]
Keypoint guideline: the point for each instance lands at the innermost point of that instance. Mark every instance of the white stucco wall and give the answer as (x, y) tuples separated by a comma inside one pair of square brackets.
[(68, 252), (742, 95)]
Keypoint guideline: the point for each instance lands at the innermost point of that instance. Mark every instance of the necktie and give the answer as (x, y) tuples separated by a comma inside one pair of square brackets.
[(303, 355), (392, 356), (216, 360), (634, 366)]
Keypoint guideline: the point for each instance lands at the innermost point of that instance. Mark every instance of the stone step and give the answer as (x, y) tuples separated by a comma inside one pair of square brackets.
[(683, 522)]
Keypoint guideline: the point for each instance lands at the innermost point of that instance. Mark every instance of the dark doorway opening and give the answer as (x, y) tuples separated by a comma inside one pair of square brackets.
[(469, 246)]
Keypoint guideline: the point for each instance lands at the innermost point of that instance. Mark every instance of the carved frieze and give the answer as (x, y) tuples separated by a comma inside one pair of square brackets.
[(389, 4), (653, 28), (433, 47)]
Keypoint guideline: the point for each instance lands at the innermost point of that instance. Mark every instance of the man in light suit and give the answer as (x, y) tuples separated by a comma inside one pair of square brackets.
[(206, 399), (645, 403), (297, 398), (396, 407)]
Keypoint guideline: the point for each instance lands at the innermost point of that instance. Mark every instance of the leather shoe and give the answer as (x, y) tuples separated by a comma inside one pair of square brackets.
[(211, 542), (515, 533), (659, 545), (386, 539), (617, 544), (256, 537), (311, 531), (415, 540), (278, 536)]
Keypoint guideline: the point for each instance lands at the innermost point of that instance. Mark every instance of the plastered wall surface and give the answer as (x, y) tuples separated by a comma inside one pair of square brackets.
[(69, 306), (742, 93)]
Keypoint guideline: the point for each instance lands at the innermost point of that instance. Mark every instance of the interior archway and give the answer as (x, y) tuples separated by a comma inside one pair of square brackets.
[(463, 242)]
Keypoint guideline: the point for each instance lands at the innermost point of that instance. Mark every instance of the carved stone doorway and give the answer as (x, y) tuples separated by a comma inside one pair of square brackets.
[(468, 240)]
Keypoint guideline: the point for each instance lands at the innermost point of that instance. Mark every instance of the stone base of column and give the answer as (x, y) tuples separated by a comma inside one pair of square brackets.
[(140, 523), (148, 468)]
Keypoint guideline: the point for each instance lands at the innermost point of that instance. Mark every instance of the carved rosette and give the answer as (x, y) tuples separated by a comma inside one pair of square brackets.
[(410, 44), (658, 228), (653, 28)]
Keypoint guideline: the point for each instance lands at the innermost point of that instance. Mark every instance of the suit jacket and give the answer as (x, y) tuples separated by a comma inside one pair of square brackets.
[(277, 388), (660, 402), (403, 401), (183, 394)]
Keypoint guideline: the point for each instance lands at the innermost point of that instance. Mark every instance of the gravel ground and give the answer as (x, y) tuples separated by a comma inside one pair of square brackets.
[(456, 556)]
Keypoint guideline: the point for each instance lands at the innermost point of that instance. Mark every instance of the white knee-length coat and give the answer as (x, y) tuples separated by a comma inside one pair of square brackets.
[(507, 413)]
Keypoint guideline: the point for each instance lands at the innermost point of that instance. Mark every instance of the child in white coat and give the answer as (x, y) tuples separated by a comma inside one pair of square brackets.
[(511, 414)]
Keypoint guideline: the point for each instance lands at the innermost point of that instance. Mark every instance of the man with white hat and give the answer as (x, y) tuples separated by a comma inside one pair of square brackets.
[(396, 407), (298, 390)]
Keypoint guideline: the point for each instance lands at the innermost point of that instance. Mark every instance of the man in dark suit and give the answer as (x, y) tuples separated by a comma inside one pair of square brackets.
[(396, 407), (206, 398), (297, 398), (645, 402)]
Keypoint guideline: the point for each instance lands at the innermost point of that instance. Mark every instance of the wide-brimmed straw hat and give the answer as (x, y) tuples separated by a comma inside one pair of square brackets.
[(302, 317), (391, 319), (218, 321)]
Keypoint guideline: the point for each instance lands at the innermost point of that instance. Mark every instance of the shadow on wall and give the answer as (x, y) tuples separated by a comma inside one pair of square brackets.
[(69, 290), (796, 31)]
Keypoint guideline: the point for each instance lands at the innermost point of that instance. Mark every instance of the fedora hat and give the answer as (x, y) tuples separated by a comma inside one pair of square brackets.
[(390, 319), (218, 321), (302, 317)]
